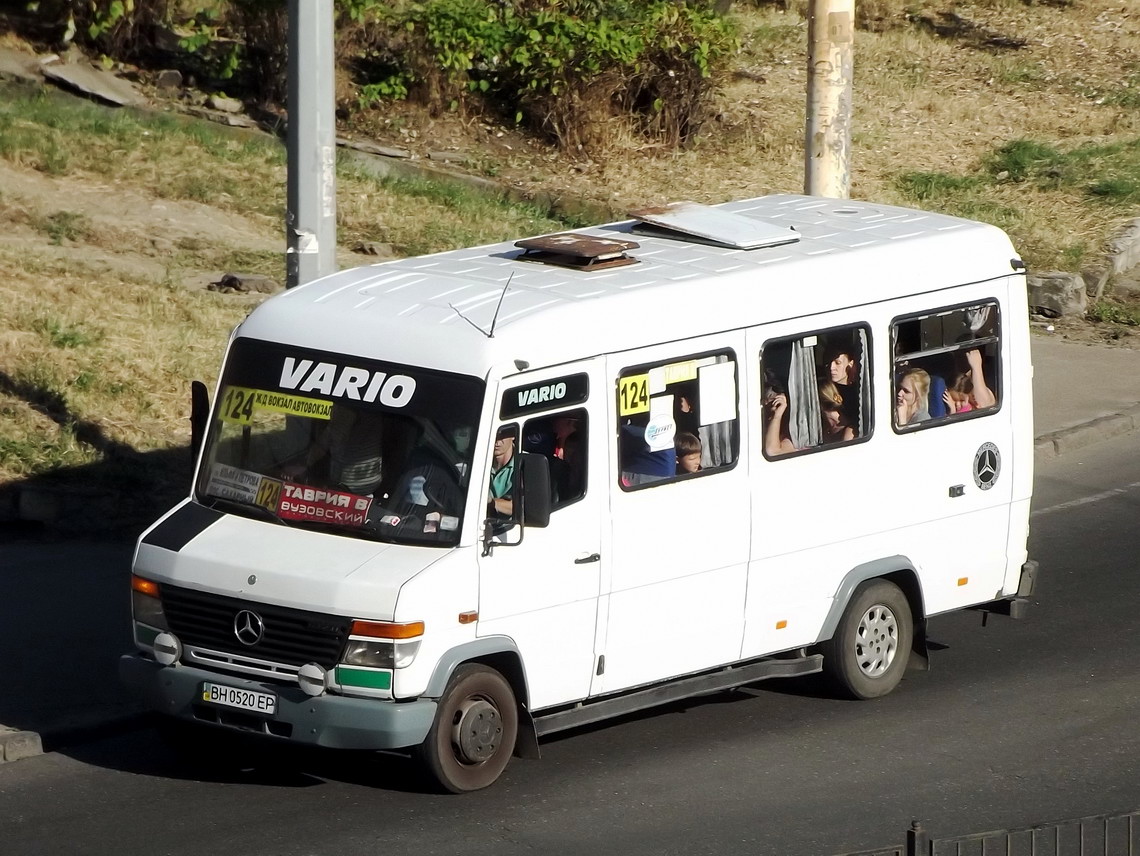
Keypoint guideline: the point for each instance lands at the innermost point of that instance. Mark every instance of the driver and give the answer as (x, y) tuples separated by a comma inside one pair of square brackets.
[(502, 473)]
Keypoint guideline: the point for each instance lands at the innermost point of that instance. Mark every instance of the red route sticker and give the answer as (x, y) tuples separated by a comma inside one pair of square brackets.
[(299, 502)]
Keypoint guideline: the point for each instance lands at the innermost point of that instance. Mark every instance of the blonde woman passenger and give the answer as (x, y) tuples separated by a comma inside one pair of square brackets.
[(836, 426), (911, 397)]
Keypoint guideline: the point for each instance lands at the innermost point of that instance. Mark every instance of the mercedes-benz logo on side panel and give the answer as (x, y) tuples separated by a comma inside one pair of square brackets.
[(248, 627), (987, 466)]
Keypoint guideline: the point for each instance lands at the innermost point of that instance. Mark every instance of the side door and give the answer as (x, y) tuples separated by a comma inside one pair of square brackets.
[(680, 511), (541, 589)]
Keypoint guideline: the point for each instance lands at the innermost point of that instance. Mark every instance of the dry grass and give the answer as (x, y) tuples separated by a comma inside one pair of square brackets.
[(923, 103), (112, 223), (110, 353)]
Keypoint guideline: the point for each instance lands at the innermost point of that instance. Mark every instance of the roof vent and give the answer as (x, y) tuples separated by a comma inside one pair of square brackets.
[(708, 225), (580, 252)]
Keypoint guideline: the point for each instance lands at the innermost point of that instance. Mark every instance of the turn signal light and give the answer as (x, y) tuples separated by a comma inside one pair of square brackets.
[(144, 586), (387, 629)]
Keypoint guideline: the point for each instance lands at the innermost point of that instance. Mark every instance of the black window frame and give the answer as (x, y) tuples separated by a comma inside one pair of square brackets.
[(734, 442), (866, 369), (994, 340)]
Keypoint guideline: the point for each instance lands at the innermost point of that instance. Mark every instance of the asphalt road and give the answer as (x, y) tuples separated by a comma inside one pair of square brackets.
[(1019, 722)]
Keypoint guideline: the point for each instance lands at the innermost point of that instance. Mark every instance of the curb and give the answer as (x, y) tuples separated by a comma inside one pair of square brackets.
[(16, 745), (1053, 445)]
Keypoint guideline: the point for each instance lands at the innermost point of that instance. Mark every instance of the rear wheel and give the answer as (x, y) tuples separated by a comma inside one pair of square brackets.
[(474, 732), (868, 653)]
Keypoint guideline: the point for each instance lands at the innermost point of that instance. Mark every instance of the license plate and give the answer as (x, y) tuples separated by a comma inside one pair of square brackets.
[(255, 702)]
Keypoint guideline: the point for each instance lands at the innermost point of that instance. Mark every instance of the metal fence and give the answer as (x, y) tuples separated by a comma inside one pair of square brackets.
[(1100, 835)]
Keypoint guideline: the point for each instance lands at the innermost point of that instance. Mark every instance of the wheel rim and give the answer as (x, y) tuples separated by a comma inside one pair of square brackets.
[(876, 641), (477, 731)]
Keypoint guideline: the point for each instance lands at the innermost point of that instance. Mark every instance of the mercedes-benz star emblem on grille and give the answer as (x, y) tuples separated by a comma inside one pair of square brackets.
[(248, 627)]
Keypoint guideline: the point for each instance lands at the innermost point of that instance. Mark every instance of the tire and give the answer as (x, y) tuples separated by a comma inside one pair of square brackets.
[(473, 736), (868, 654)]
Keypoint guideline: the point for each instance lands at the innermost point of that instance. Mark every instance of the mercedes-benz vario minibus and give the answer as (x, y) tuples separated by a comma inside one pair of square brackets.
[(453, 503)]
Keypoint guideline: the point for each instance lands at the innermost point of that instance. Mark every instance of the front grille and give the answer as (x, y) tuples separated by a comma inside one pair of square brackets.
[(291, 636)]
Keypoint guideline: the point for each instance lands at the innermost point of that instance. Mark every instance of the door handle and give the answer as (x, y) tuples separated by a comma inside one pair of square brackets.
[(585, 560)]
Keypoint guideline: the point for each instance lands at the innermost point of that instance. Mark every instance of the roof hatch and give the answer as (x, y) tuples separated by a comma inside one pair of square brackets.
[(581, 252), (709, 225)]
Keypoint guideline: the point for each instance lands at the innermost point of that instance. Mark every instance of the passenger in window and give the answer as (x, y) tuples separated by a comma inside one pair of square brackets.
[(688, 453), (347, 455), (777, 438), (640, 464), (568, 472), (981, 396), (836, 426), (911, 405), (843, 371), (957, 395), (685, 407), (502, 473), (968, 391), (563, 426)]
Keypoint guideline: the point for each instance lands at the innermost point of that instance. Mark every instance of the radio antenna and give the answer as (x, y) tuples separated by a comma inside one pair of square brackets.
[(469, 321), (495, 318), (490, 334)]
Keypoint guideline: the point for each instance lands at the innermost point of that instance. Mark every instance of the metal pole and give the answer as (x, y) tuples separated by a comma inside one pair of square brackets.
[(917, 841), (310, 214), (827, 143)]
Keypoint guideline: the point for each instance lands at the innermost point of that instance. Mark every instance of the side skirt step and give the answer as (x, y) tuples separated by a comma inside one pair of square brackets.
[(608, 707)]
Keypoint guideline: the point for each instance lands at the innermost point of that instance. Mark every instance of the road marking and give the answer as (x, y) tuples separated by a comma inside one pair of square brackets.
[(1086, 500)]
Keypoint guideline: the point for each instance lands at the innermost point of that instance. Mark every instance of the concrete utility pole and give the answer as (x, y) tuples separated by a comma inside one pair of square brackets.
[(827, 143), (310, 214)]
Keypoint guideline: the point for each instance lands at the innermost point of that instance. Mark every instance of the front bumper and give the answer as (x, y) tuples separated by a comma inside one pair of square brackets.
[(334, 721)]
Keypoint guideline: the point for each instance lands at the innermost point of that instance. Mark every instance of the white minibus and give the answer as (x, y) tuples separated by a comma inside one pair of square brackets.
[(454, 503)]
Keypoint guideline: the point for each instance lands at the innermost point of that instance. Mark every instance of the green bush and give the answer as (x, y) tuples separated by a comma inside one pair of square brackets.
[(576, 69), (581, 71)]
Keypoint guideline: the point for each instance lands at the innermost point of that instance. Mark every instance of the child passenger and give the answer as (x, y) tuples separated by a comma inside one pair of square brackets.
[(969, 391), (688, 453)]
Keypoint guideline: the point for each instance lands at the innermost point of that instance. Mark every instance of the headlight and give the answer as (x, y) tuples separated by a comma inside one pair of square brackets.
[(381, 653), (383, 644)]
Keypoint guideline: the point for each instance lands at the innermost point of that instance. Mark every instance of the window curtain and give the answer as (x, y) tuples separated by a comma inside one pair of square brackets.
[(716, 444), (864, 382), (804, 419), (716, 439)]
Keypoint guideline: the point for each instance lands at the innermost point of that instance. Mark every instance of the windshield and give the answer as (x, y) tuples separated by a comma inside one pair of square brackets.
[(339, 443)]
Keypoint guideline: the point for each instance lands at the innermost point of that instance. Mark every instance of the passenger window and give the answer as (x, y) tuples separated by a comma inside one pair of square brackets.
[(677, 420), (816, 390), (946, 365), (561, 437)]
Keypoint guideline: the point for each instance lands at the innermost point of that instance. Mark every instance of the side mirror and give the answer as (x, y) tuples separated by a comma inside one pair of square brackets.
[(535, 489), (531, 506), (199, 414)]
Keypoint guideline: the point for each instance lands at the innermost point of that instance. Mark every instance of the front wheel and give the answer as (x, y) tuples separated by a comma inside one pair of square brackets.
[(868, 653), (474, 732)]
